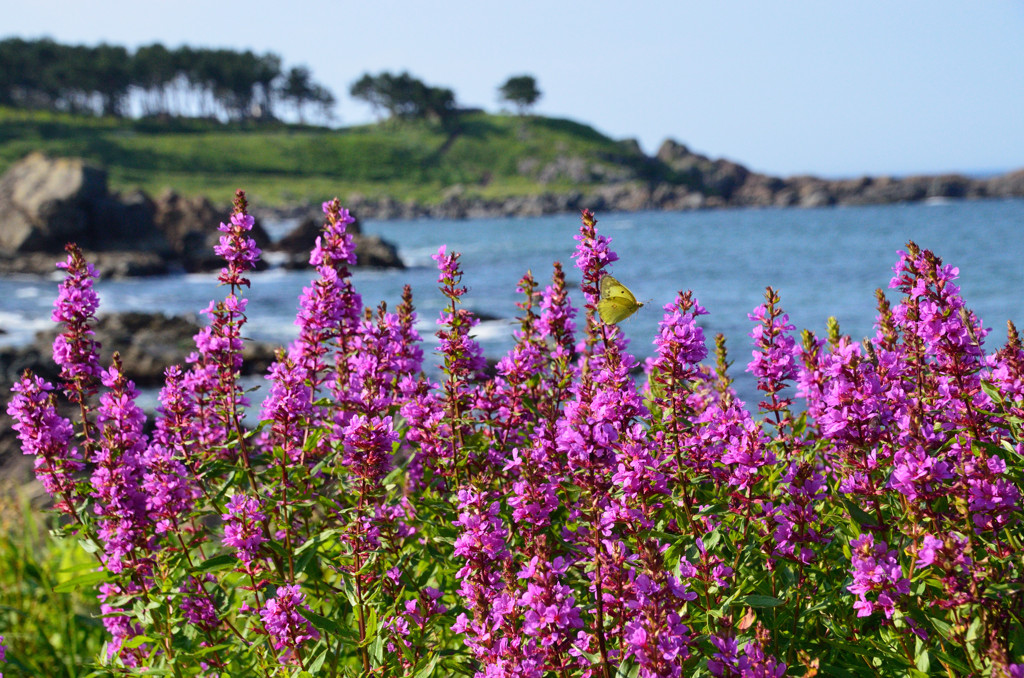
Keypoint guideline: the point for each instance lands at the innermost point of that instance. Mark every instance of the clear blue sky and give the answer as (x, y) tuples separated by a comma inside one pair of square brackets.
[(827, 87)]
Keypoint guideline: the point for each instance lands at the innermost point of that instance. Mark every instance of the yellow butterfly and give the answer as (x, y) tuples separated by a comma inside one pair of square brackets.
[(617, 303)]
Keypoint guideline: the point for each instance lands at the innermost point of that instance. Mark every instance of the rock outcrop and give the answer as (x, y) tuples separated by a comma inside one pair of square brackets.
[(372, 251), (190, 226), (47, 202)]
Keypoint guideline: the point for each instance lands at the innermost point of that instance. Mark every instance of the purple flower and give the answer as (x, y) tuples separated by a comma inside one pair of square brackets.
[(774, 358), (236, 247), (876, 573), (335, 247), (593, 253), (46, 435), (74, 349), (551, 613), (288, 406), (285, 625), (168, 486), (797, 516), (746, 452), (243, 527), (557, 313), (482, 544), (196, 604), (655, 633), (752, 662), (368, 443), (330, 308), (118, 474), (680, 341)]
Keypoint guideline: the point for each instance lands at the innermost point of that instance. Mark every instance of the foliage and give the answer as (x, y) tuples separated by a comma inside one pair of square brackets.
[(521, 91), (548, 516), (181, 82), (406, 97)]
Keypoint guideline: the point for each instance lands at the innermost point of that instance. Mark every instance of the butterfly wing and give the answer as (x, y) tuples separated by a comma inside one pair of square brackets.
[(616, 303), (613, 289), (615, 310)]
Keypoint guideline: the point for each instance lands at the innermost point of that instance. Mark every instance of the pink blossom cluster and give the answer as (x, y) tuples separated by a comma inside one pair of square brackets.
[(547, 514)]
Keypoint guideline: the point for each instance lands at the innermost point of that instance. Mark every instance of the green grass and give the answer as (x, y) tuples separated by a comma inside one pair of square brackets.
[(46, 633), (283, 163)]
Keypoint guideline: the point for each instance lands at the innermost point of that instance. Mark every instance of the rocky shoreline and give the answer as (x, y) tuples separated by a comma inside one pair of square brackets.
[(697, 182), (45, 202)]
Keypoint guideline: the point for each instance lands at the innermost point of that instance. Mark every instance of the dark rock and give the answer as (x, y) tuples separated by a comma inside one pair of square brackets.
[(107, 264), (629, 197), (371, 250), (715, 177), (126, 222), (148, 344), (375, 252), (190, 226), (1005, 186)]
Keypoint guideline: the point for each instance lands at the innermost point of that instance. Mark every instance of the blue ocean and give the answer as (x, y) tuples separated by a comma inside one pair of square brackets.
[(824, 262)]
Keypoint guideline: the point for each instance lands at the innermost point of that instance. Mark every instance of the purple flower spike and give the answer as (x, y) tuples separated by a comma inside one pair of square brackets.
[(74, 350), (46, 435), (243, 527), (118, 474), (287, 628), (236, 247)]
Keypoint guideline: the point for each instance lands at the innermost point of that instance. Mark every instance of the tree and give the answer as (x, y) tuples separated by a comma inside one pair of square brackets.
[(404, 96), (298, 88), (111, 77), (323, 101), (521, 91), (153, 70)]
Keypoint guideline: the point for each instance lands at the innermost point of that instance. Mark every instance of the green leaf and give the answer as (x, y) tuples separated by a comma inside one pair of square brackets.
[(81, 582), (628, 670), (203, 651), (992, 392), (428, 670), (322, 623), (89, 546), (763, 601), (318, 663), (305, 561), (923, 661), (135, 641), (957, 664), (377, 650), (372, 623)]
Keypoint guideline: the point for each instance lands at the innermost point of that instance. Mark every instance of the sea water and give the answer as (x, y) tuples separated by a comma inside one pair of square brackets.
[(823, 262)]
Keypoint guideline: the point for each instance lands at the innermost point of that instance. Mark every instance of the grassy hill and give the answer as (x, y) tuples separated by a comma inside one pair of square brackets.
[(489, 155)]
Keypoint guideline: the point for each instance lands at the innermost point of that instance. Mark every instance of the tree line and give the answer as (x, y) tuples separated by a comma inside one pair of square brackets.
[(155, 81), (185, 81)]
